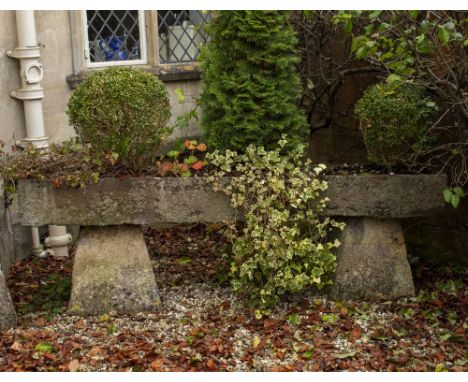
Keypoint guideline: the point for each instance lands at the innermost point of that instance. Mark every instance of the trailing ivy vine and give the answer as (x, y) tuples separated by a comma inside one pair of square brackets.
[(282, 247)]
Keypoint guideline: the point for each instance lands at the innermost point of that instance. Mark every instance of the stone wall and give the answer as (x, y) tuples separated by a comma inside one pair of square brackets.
[(7, 255), (54, 34)]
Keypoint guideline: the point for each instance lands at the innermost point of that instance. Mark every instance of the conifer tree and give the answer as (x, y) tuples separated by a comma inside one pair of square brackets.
[(250, 87)]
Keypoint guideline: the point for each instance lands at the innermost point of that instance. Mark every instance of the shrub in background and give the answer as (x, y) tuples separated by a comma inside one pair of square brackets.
[(394, 120), (121, 110), (250, 86)]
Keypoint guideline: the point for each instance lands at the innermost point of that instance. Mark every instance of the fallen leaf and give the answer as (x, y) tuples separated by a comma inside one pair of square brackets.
[(356, 333), (74, 365), (16, 346), (211, 364), (269, 324), (103, 318), (157, 364), (43, 347), (40, 322), (95, 350), (256, 341), (345, 355)]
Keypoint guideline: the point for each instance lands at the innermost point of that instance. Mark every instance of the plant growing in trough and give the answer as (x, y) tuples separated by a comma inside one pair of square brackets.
[(122, 111), (282, 247)]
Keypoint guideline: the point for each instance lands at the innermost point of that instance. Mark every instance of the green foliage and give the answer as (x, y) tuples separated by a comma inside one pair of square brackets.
[(429, 48), (44, 347), (394, 121), (185, 157), (123, 111), (282, 247), (395, 38), (250, 86), (454, 195)]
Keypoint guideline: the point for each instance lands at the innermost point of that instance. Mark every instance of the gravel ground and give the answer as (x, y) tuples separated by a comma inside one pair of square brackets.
[(203, 326)]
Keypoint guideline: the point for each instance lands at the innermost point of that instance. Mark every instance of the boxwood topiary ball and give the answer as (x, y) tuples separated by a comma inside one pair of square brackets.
[(394, 120), (121, 110)]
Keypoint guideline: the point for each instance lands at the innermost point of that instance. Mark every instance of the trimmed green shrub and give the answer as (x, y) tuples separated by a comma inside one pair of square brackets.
[(250, 86), (122, 111), (394, 119)]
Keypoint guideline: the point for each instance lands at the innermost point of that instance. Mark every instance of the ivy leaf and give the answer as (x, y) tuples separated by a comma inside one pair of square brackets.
[(308, 354), (444, 35), (368, 29), (294, 319), (180, 95), (455, 201), (374, 14), (184, 260), (459, 191), (423, 45), (447, 195), (329, 318), (393, 78), (348, 26), (361, 53)]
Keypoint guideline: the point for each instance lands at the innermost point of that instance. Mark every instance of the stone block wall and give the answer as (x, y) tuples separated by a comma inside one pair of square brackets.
[(7, 255)]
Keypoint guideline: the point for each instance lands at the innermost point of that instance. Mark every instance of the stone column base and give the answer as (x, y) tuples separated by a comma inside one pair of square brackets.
[(372, 262), (112, 271), (7, 310)]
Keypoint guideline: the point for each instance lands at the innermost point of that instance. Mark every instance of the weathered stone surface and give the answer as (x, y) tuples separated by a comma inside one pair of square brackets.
[(112, 271), (7, 310), (372, 262), (6, 250), (385, 196), (152, 200), (7, 255), (138, 201)]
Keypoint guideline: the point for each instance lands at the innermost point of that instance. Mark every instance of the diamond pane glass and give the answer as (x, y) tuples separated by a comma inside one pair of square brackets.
[(113, 36), (181, 34)]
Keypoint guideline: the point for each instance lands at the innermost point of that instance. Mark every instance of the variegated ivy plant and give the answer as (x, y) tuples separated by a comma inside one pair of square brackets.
[(282, 246)]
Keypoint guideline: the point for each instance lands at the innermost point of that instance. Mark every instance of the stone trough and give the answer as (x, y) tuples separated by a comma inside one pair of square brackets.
[(112, 269)]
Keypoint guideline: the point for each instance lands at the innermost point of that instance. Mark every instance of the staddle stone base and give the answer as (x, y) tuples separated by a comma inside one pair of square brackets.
[(7, 310), (372, 262), (112, 272)]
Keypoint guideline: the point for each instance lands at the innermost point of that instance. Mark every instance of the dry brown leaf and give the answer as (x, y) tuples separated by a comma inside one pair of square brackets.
[(16, 346), (95, 350), (157, 364), (356, 333), (40, 322), (211, 364), (74, 365)]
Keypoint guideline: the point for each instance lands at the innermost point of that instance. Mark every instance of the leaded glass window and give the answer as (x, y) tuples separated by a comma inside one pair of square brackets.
[(181, 34), (115, 37)]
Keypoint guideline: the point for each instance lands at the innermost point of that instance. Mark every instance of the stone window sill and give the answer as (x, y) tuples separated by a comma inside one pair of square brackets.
[(165, 72)]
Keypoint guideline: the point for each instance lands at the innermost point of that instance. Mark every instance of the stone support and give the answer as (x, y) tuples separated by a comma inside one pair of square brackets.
[(372, 262), (112, 268), (7, 310), (112, 272)]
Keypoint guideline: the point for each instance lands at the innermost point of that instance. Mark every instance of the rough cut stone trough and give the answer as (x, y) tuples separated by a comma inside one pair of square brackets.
[(112, 270)]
